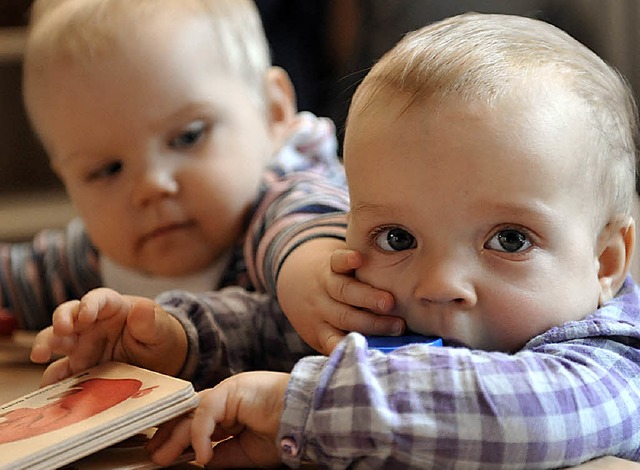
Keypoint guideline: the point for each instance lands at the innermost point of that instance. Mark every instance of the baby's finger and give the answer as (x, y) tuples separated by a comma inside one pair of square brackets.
[(56, 371), (41, 349), (175, 440), (162, 434), (146, 324), (331, 341), (328, 338), (153, 339), (367, 323), (345, 261), (47, 343), (245, 451), (352, 292), (64, 317), (202, 428), (101, 304)]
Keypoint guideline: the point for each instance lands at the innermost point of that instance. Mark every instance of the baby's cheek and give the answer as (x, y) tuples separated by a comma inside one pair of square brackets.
[(374, 276), (508, 333), (379, 268)]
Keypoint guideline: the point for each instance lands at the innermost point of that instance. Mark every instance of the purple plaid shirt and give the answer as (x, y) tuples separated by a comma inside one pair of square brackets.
[(570, 395)]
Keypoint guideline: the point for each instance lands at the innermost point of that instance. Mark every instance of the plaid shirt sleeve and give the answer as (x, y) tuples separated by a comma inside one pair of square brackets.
[(571, 395), (231, 331)]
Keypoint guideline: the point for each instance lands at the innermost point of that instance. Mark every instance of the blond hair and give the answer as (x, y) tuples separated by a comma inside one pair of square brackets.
[(482, 56), (80, 30)]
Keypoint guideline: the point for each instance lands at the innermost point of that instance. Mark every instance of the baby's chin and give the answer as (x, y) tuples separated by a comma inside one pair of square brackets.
[(455, 343), (477, 345)]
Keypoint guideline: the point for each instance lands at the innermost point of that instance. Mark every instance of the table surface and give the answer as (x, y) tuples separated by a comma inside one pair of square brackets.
[(18, 375)]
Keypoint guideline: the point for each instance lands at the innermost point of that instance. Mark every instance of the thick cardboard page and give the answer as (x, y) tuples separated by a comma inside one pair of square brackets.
[(63, 422)]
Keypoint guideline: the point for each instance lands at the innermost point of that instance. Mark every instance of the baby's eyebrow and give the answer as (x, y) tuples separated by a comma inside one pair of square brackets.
[(531, 208), (367, 208)]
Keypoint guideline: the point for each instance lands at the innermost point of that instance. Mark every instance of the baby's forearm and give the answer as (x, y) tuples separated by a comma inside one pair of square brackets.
[(533, 407), (299, 233), (231, 331), (313, 254)]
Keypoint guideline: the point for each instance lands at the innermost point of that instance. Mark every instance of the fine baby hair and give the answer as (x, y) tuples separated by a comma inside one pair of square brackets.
[(482, 57), (80, 30)]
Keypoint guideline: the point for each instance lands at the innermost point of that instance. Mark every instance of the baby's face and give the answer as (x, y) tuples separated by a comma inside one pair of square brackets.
[(160, 148), (478, 221)]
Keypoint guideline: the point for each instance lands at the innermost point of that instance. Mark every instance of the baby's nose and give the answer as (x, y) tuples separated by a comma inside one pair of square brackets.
[(155, 183), (445, 279)]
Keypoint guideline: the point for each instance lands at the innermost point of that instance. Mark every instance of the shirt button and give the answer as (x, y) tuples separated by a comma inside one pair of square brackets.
[(289, 446)]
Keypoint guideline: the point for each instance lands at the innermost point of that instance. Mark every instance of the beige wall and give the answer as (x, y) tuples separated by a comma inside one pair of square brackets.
[(609, 27)]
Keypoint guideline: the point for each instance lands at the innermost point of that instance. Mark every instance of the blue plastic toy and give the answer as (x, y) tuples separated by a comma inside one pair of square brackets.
[(389, 343)]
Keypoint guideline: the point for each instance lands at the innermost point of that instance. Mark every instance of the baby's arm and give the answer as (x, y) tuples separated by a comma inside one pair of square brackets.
[(231, 331), (307, 410), (323, 300), (105, 326), (247, 406), (504, 399), (32, 282), (288, 252), (299, 222)]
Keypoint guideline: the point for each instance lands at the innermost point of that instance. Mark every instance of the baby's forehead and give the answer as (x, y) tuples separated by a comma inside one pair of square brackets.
[(549, 132), (84, 32), (520, 107), (85, 37), (81, 50)]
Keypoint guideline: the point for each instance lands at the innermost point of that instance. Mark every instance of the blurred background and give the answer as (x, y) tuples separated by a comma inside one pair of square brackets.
[(327, 46)]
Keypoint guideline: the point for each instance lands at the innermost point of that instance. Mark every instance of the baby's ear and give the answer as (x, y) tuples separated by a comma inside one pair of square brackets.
[(281, 104), (615, 247)]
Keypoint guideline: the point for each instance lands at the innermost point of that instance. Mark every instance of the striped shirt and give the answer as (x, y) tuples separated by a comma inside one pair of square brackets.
[(303, 195), (570, 395)]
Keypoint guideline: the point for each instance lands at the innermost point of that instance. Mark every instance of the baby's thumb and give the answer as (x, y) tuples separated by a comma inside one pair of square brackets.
[(56, 371), (344, 261), (142, 323), (155, 340)]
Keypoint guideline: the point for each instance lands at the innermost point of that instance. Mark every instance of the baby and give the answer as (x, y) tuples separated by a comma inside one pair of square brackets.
[(491, 163), (179, 146)]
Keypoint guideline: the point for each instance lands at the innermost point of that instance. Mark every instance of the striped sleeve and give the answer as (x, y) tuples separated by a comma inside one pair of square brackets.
[(299, 207), (37, 276), (305, 197)]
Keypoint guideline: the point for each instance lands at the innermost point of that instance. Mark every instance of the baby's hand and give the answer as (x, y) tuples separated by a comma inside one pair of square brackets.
[(323, 301), (104, 326), (246, 407)]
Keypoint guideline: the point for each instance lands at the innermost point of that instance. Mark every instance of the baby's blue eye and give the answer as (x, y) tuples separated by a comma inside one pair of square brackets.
[(509, 241), (395, 239), (190, 136), (107, 170)]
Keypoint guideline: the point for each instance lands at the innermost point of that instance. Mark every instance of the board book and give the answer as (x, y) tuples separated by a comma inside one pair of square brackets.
[(76, 417)]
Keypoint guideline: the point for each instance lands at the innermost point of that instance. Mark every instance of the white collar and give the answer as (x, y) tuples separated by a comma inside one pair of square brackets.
[(129, 281)]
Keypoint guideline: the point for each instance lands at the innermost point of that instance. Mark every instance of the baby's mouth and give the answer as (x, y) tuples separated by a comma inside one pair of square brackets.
[(165, 230)]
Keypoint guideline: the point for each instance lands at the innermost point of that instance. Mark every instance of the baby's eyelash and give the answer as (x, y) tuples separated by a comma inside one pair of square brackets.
[(516, 228), (108, 170), (393, 239), (373, 234), (513, 241)]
